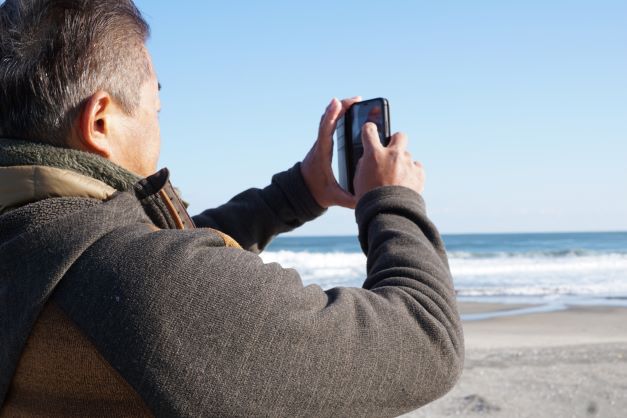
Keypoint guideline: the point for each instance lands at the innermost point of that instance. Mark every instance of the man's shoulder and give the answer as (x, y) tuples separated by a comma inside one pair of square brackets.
[(39, 214)]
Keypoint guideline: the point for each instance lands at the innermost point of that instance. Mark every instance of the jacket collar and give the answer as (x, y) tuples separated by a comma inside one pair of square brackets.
[(30, 172), (15, 152), (161, 202), (21, 185)]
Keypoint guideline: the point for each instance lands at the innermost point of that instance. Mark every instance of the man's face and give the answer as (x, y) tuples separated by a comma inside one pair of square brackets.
[(141, 139)]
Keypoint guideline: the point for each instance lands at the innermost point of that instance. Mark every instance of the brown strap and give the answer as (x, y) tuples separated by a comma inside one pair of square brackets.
[(228, 241), (175, 207)]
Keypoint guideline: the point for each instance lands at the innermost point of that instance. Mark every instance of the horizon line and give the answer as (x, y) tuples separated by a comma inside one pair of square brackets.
[(293, 235)]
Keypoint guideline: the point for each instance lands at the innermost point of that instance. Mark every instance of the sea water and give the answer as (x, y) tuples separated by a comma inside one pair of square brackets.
[(551, 269)]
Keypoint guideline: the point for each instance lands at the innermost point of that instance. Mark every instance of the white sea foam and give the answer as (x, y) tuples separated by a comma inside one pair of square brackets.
[(594, 275), (529, 254), (325, 269), (502, 274)]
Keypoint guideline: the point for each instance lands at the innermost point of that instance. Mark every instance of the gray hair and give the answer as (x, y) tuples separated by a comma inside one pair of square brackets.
[(55, 54)]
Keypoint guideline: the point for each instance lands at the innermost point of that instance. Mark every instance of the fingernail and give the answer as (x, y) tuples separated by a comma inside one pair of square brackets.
[(332, 104)]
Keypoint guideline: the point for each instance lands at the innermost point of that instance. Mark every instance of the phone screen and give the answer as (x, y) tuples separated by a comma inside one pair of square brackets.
[(370, 111)]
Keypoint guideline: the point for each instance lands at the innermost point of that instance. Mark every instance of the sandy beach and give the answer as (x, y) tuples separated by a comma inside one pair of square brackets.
[(569, 363)]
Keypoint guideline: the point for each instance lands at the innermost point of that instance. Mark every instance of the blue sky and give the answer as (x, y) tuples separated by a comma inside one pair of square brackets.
[(518, 110)]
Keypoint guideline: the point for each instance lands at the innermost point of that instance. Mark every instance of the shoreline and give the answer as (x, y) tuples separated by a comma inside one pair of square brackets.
[(571, 362), (477, 309)]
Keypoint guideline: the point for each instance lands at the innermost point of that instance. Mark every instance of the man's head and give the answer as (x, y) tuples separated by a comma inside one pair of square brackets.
[(76, 73)]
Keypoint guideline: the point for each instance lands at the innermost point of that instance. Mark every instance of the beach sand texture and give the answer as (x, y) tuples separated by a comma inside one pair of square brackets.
[(570, 363)]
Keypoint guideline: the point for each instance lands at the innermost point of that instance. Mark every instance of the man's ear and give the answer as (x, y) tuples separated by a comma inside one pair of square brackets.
[(95, 123)]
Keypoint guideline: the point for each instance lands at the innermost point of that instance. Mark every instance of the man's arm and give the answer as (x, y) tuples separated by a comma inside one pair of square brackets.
[(203, 330), (255, 216)]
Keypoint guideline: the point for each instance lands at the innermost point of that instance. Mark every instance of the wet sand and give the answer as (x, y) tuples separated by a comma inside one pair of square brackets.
[(570, 363)]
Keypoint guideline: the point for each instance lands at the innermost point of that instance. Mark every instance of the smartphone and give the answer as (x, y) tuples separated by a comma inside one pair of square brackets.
[(348, 133)]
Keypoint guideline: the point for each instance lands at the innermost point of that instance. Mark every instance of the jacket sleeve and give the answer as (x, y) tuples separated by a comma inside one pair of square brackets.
[(203, 330), (255, 216)]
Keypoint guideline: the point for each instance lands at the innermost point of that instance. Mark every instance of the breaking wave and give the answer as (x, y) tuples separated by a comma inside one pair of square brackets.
[(573, 272)]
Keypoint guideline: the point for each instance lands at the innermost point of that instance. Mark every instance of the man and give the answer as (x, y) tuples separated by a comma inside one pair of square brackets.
[(114, 302)]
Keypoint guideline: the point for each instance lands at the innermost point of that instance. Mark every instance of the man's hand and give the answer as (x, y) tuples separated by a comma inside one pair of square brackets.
[(316, 167), (386, 166)]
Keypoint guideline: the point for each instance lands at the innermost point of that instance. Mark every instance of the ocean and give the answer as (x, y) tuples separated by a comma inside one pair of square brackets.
[(552, 269)]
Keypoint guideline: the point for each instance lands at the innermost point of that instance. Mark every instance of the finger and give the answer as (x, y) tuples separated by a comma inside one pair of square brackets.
[(327, 126), (370, 138), (329, 121), (398, 141), (326, 112), (346, 103)]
